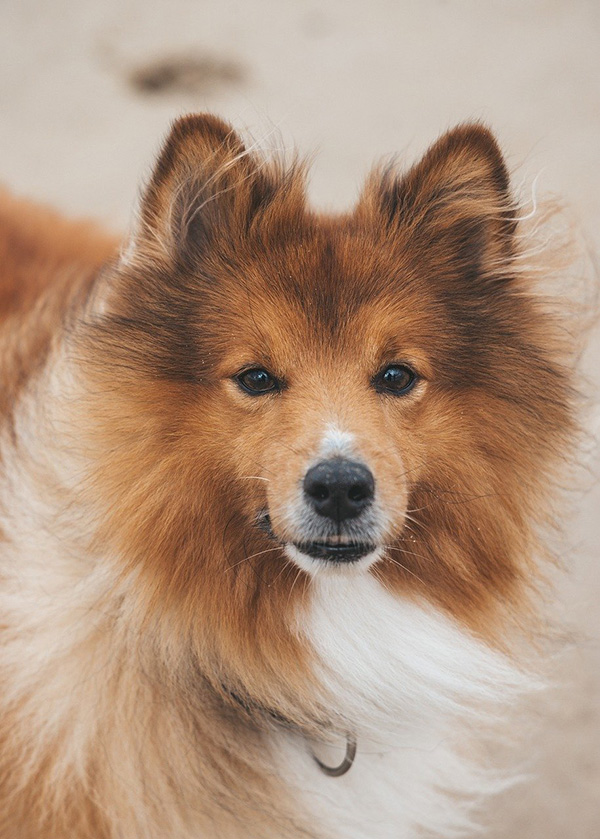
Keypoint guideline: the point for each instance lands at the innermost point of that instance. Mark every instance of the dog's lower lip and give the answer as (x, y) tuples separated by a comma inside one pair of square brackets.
[(329, 551), (350, 552)]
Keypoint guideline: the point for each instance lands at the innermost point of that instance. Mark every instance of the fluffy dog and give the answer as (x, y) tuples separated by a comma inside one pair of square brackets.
[(270, 495)]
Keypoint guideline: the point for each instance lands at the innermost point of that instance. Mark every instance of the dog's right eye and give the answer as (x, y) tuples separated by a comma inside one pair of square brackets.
[(257, 381)]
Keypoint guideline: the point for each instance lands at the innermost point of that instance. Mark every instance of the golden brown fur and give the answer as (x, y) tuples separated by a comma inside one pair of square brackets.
[(190, 635), (47, 264)]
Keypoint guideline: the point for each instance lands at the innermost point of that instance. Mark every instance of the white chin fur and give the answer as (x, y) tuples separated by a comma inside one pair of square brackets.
[(323, 568), (413, 686)]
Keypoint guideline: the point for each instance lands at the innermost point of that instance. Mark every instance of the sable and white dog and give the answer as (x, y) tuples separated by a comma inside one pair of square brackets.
[(270, 484)]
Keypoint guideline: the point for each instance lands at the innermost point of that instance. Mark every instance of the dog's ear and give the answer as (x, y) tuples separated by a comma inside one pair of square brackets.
[(454, 205), (206, 185)]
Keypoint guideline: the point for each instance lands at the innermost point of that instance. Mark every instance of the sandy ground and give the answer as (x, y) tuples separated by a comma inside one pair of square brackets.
[(87, 90)]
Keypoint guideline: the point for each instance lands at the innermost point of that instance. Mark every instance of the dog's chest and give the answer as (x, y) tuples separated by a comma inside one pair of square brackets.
[(404, 679), (374, 798)]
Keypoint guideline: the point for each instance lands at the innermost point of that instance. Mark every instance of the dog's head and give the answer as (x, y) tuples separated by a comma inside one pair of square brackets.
[(287, 394)]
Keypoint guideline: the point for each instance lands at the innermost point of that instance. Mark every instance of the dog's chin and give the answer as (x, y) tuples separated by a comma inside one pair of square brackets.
[(324, 558), (319, 557)]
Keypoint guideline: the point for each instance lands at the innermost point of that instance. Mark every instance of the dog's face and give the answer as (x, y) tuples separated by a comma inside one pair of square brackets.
[(341, 400), (324, 382), (327, 395)]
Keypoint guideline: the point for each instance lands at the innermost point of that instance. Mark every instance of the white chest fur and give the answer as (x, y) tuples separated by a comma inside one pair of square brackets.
[(412, 685)]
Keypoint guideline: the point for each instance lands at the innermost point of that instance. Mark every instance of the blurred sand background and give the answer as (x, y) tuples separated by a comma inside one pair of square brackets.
[(87, 90)]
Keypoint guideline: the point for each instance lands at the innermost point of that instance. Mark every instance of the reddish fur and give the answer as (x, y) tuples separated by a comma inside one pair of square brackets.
[(229, 268), (47, 266)]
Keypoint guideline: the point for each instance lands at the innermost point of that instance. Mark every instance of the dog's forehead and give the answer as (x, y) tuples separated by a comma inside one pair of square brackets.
[(332, 274), (299, 329), (347, 282), (328, 292)]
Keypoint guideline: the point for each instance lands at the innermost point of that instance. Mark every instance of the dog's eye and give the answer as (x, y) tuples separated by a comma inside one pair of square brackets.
[(257, 381), (396, 379)]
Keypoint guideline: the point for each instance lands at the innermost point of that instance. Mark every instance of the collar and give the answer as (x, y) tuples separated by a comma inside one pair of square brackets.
[(251, 708), (345, 765)]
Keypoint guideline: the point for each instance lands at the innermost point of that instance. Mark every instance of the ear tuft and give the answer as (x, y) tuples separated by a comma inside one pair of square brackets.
[(198, 147), (208, 190), (192, 138), (465, 166), (455, 202)]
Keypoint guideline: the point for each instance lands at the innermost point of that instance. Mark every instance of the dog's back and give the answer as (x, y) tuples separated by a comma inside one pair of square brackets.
[(46, 263)]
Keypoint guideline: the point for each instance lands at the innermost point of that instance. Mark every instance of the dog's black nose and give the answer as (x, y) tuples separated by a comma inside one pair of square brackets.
[(339, 489)]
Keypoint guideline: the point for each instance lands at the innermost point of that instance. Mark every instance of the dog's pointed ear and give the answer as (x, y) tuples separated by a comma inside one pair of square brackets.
[(455, 204), (205, 185)]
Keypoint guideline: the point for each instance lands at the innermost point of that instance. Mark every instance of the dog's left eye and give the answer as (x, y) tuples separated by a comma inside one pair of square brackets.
[(396, 379), (257, 381)]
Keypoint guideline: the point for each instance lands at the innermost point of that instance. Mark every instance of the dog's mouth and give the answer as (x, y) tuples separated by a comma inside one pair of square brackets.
[(336, 552), (329, 551)]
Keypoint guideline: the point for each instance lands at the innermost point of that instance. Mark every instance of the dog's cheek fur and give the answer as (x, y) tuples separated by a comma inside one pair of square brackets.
[(466, 545), (188, 533)]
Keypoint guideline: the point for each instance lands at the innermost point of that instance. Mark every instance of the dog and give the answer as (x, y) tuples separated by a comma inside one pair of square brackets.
[(272, 489)]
